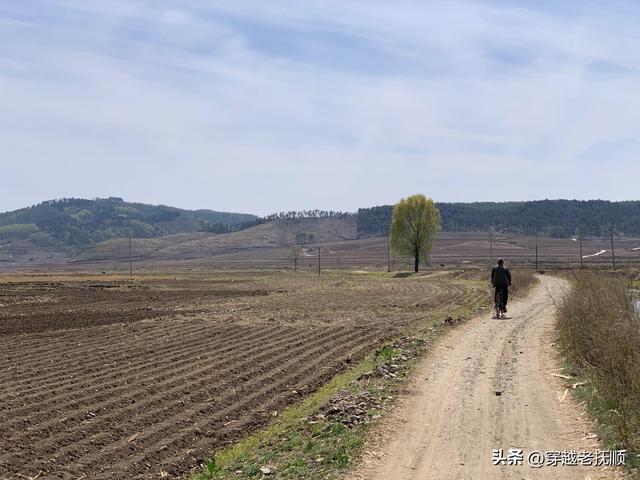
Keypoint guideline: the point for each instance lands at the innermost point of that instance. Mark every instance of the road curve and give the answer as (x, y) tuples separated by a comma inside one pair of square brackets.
[(451, 420)]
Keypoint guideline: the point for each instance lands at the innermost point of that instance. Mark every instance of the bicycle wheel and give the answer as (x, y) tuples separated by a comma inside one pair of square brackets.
[(498, 303)]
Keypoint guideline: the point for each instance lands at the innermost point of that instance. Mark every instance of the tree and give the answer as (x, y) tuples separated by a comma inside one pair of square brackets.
[(414, 224)]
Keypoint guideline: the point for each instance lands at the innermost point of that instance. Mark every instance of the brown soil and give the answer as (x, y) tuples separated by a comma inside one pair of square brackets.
[(60, 306), (255, 248), (118, 380)]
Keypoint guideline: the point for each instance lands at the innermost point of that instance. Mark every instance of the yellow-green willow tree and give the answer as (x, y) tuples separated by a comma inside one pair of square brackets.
[(414, 225)]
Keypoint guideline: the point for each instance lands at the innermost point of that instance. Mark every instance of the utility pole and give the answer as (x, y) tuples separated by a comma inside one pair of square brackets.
[(613, 253), (388, 252), (581, 257), (536, 251), (491, 245), (130, 259)]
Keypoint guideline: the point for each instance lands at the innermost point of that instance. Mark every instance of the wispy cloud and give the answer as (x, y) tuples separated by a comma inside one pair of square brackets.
[(264, 106)]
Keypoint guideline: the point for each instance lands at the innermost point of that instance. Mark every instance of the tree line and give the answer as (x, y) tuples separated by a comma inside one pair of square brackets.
[(554, 218), (293, 215), (221, 228)]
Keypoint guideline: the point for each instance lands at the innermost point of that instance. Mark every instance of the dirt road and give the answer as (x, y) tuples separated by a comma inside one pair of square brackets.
[(453, 419)]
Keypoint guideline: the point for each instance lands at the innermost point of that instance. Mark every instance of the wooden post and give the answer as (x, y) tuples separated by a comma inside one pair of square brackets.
[(536, 252), (318, 261)]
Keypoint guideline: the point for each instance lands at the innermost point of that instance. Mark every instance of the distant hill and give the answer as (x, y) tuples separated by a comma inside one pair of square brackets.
[(59, 231), (554, 218), (274, 234), (78, 223)]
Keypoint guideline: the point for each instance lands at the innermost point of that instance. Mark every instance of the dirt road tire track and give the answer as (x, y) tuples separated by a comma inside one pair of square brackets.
[(452, 419)]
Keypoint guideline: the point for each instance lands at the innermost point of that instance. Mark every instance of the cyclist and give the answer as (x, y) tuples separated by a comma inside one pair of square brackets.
[(501, 280)]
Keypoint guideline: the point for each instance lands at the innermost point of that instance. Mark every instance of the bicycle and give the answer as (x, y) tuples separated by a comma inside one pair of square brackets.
[(499, 304)]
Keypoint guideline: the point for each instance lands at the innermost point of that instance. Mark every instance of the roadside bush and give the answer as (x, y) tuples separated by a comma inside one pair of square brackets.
[(521, 279), (600, 333)]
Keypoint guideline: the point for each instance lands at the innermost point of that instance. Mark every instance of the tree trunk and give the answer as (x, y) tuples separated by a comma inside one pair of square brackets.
[(417, 262)]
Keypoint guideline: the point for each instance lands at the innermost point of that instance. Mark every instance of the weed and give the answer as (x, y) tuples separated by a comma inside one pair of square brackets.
[(211, 466), (384, 354)]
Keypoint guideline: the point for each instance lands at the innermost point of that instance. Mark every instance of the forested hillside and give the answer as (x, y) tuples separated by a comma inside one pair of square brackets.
[(555, 218), (76, 222)]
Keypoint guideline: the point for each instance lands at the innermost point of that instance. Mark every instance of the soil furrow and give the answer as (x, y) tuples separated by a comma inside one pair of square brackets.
[(247, 397), (118, 395), (111, 396), (92, 341), (153, 362), (88, 441)]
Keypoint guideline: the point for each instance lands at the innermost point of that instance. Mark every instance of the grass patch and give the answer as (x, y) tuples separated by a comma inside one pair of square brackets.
[(599, 332)]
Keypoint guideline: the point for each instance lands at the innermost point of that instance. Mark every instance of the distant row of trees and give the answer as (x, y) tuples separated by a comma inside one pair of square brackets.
[(554, 218), (293, 215), (230, 228)]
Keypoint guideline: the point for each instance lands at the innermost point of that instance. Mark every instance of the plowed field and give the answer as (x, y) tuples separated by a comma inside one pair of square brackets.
[(113, 380)]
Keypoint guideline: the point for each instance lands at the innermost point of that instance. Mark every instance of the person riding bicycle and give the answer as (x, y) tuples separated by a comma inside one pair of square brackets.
[(501, 281)]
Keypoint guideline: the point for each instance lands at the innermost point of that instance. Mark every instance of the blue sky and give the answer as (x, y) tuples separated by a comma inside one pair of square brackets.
[(266, 106)]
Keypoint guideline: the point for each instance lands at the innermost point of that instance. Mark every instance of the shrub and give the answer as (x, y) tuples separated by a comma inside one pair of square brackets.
[(521, 279), (599, 331)]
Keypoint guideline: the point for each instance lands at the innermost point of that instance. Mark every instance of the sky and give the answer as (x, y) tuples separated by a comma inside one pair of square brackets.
[(259, 107)]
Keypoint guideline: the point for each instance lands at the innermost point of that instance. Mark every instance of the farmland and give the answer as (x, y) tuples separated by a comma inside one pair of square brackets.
[(277, 244), (105, 377), (273, 245)]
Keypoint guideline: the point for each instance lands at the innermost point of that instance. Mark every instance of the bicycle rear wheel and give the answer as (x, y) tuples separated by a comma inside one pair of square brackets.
[(498, 303)]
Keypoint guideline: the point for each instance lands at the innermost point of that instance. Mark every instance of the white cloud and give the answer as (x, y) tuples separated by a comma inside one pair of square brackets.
[(329, 104)]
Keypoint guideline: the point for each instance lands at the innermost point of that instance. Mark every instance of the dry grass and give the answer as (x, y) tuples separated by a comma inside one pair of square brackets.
[(521, 280), (521, 277), (600, 334)]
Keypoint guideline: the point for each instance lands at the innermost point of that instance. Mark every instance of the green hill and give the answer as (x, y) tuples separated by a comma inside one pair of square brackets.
[(73, 222)]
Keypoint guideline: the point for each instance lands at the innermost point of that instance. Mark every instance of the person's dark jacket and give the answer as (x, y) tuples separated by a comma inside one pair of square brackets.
[(500, 276)]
